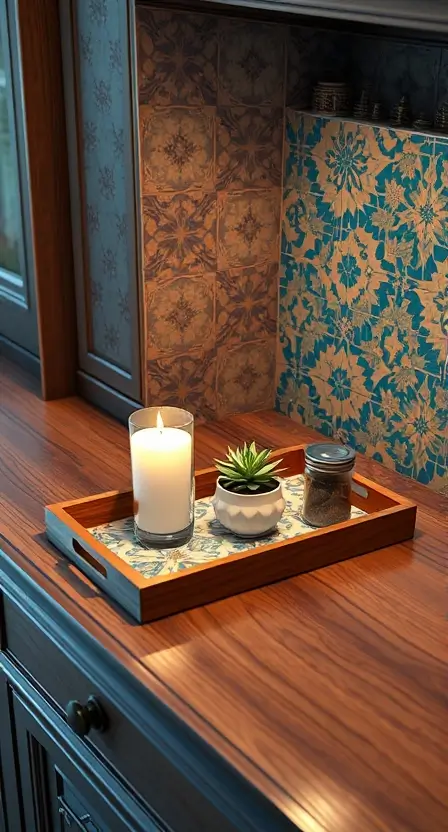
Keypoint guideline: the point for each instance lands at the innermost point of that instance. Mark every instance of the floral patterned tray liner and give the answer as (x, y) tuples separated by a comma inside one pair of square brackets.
[(210, 540)]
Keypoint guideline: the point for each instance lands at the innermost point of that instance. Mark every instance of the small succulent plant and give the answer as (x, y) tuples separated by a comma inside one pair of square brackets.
[(248, 470)]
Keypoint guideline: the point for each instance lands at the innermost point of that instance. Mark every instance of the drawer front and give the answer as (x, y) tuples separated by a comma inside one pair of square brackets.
[(144, 768)]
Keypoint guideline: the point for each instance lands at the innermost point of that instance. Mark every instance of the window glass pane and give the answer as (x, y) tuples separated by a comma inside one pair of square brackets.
[(10, 208)]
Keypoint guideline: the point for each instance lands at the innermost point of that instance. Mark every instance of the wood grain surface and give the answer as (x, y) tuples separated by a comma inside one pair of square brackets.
[(326, 691), (41, 65)]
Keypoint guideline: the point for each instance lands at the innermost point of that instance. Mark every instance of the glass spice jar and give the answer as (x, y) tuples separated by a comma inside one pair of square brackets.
[(328, 484)]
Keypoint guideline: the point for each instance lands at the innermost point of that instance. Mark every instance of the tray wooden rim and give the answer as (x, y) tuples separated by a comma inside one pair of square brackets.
[(58, 519)]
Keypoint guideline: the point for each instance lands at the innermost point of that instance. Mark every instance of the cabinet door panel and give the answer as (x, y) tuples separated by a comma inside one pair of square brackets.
[(18, 317), (10, 800), (64, 787), (98, 84)]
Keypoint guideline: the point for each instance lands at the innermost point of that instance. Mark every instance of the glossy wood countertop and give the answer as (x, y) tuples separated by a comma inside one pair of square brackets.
[(325, 691)]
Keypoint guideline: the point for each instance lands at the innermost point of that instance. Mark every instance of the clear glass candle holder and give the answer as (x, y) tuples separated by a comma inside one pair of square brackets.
[(162, 460)]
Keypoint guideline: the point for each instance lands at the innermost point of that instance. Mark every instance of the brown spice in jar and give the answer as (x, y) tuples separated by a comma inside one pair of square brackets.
[(326, 500)]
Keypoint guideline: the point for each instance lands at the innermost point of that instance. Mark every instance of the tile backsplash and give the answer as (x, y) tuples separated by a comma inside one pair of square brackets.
[(211, 137), (364, 290), (362, 318)]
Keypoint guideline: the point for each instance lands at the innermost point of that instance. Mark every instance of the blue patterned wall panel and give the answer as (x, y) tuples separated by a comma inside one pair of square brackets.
[(105, 125)]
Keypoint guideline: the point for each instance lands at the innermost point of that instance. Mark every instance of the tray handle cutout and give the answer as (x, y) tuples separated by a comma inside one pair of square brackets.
[(360, 490), (88, 559)]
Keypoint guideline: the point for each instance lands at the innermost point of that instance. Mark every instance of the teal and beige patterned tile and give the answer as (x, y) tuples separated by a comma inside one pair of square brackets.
[(248, 224), (342, 160), (372, 430), (251, 68), (177, 55), (308, 229), (294, 176), (337, 378), (177, 145), (424, 423), (292, 311), (305, 315), (439, 481), (286, 387), (407, 211), (311, 408), (366, 329), (427, 305), (187, 381), (246, 375), (179, 234), (294, 126), (179, 314), (357, 271), (248, 147), (246, 304), (382, 357)]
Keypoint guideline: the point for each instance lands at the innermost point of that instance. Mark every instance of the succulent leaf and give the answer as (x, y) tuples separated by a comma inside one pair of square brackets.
[(246, 469)]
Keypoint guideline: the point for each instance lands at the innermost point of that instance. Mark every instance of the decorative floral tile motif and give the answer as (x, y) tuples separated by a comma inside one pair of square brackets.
[(177, 148), (298, 398), (413, 440), (179, 234), (210, 540), (251, 63), (358, 271), (246, 304), (187, 381), (294, 175), (248, 147), (179, 314), (248, 224), (349, 164), (409, 218), (308, 226), (363, 335), (177, 57), (246, 376), (427, 305), (373, 431), (285, 387)]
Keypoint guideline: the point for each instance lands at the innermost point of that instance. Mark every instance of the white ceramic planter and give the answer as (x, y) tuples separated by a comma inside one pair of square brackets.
[(248, 515)]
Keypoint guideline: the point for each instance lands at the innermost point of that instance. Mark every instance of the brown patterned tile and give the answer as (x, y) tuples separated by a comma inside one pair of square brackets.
[(179, 234), (187, 381), (251, 67), (246, 304), (248, 147), (177, 145), (177, 55), (179, 314), (248, 227), (246, 376)]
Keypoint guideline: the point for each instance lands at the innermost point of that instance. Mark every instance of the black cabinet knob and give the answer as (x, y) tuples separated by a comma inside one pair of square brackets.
[(82, 718)]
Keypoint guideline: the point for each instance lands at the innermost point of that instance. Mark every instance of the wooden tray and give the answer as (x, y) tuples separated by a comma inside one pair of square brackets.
[(388, 519)]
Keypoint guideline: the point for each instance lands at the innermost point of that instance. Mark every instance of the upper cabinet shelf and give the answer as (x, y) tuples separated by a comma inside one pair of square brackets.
[(424, 15)]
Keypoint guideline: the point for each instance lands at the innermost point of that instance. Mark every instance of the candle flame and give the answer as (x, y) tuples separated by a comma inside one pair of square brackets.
[(160, 424)]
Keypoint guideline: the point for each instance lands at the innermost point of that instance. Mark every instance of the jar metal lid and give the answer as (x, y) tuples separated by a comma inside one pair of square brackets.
[(327, 456)]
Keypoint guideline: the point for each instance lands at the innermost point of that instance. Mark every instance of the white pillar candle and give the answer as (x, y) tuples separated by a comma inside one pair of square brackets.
[(161, 478)]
